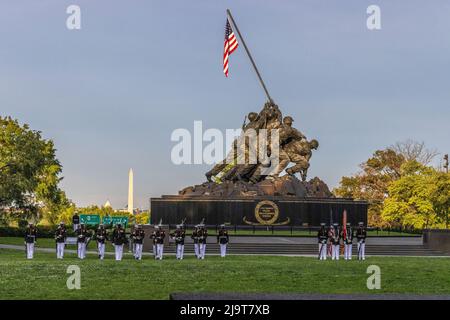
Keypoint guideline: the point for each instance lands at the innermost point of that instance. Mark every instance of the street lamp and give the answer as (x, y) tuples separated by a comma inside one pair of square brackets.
[(446, 163)]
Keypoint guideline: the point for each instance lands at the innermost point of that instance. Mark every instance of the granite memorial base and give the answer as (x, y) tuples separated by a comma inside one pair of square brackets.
[(262, 210)]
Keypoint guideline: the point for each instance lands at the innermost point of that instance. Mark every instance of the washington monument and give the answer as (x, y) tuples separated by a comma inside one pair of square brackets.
[(130, 191)]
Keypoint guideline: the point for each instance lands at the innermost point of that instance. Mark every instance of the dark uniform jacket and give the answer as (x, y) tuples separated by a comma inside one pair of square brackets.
[(82, 235), (76, 219), (195, 236), (322, 236), (361, 234), (101, 235), (348, 236), (60, 235), (138, 236), (119, 237), (179, 236), (223, 237), (202, 235), (31, 235), (334, 236), (159, 236), (153, 237)]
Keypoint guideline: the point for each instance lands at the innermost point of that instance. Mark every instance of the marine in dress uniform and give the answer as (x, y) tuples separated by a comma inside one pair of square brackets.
[(202, 236), (222, 240), (30, 240), (119, 239), (138, 240), (75, 222), (60, 238), (159, 238), (335, 242), (153, 237), (101, 236), (322, 237), (179, 236), (82, 239), (361, 234), (194, 237), (347, 238)]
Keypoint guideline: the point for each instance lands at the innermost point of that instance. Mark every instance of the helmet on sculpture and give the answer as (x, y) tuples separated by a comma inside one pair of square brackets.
[(252, 116), (314, 143), (288, 120)]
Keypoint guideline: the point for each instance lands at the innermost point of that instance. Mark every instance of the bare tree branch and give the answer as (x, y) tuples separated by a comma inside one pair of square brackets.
[(413, 150)]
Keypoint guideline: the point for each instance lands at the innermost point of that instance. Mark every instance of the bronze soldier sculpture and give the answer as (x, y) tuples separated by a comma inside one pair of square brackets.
[(300, 152), (293, 147), (239, 147)]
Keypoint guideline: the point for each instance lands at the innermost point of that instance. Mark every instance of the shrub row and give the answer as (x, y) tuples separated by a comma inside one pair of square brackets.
[(43, 232)]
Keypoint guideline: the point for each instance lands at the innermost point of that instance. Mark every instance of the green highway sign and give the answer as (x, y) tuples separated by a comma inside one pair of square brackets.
[(90, 219), (115, 220)]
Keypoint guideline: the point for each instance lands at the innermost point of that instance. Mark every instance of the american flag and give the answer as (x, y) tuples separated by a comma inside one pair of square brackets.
[(230, 44)]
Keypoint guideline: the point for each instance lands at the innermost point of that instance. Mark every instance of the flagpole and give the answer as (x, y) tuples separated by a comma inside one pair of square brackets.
[(249, 55)]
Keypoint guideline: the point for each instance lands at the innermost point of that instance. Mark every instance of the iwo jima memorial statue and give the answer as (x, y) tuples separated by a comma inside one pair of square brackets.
[(247, 187)]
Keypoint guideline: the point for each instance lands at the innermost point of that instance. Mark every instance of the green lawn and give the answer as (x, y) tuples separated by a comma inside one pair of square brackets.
[(45, 277)]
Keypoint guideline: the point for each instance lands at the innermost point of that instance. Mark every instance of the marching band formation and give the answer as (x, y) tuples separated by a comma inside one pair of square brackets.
[(330, 240)]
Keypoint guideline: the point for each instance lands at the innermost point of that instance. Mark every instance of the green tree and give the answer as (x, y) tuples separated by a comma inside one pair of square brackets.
[(419, 199), (378, 173), (372, 182), (440, 197), (29, 173)]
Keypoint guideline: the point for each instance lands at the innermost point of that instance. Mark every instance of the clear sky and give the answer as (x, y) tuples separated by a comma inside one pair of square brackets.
[(111, 94)]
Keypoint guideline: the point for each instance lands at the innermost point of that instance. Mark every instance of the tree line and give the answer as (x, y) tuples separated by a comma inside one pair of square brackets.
[(403, 188)]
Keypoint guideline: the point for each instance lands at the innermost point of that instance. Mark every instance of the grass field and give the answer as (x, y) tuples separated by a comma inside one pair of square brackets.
[(45, 277)]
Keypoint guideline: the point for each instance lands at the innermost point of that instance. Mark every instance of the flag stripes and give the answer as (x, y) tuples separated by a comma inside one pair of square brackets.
[(230, 44)]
